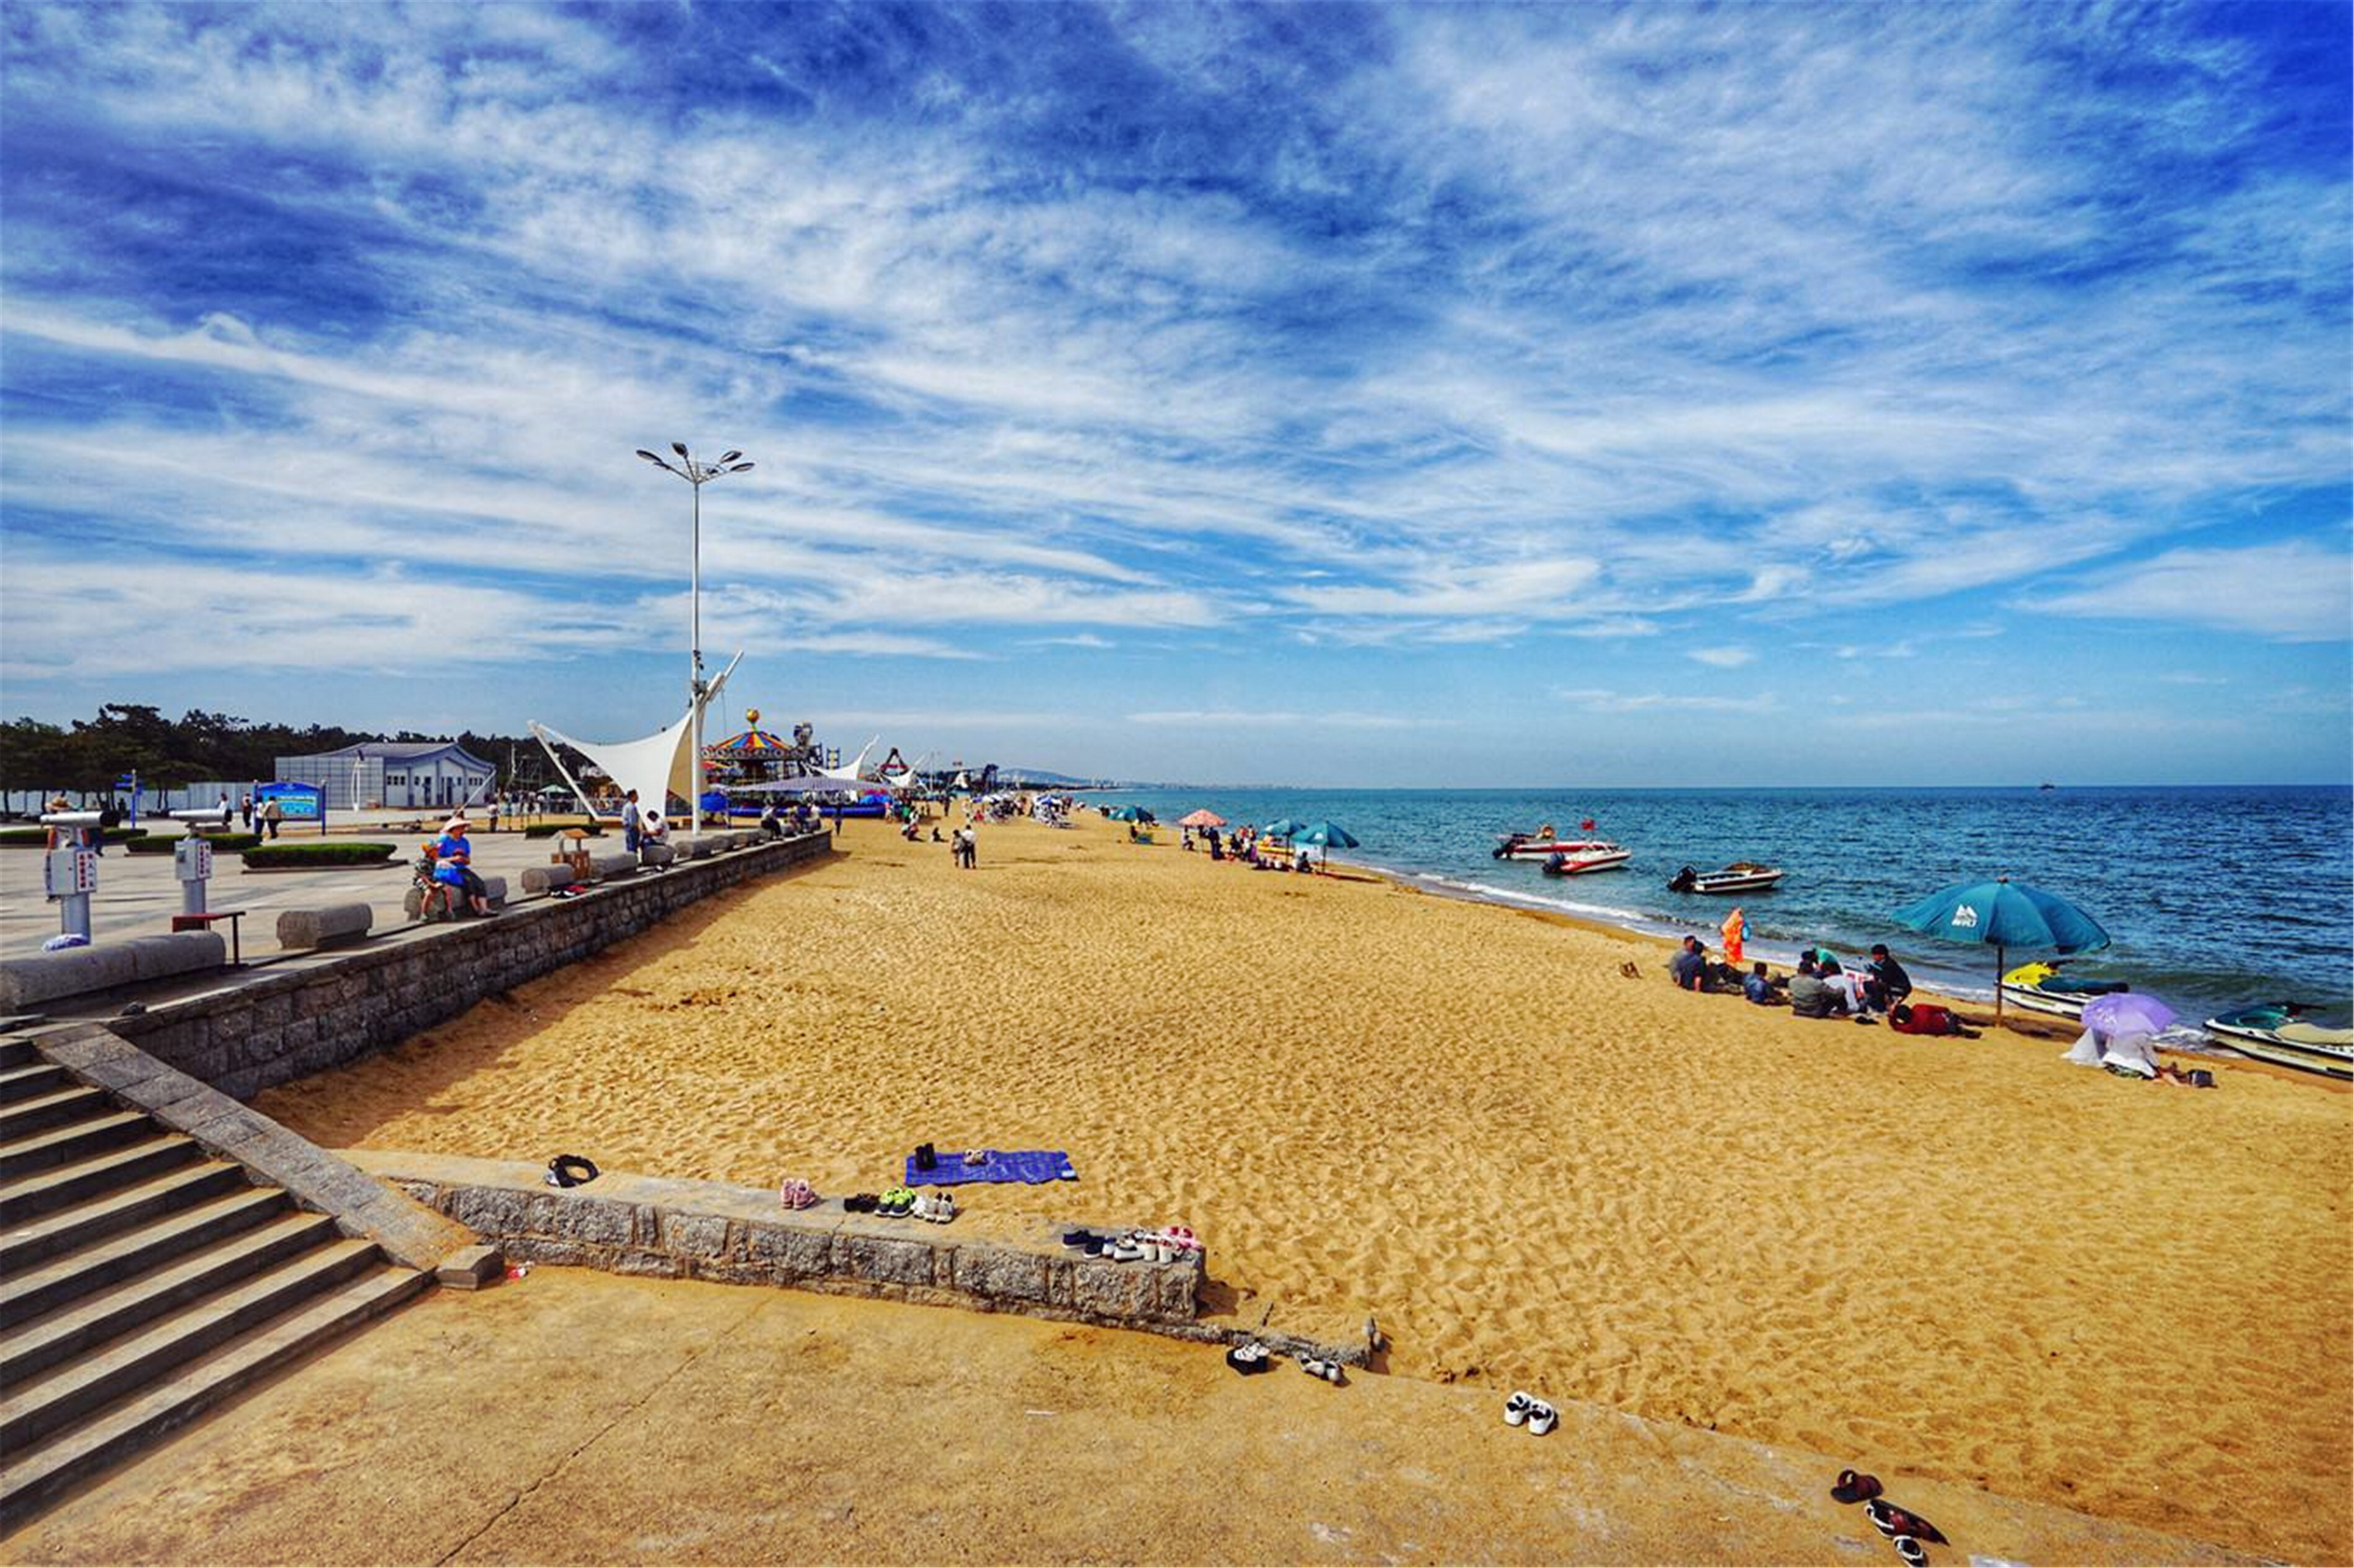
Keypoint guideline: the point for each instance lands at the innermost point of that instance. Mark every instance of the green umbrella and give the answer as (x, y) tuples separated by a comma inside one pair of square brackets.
[(2004, 914), (1281, 828)]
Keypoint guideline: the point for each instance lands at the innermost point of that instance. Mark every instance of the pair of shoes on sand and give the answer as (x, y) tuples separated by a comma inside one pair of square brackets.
[(1903, 1529), (1170, 1245), (1528, 1410), (938, 1207)]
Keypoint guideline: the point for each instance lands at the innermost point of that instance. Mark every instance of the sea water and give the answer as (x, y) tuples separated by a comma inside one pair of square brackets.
[(2215, 897)]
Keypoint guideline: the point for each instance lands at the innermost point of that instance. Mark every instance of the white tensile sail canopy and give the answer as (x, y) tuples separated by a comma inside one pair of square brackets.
[(657, 765)]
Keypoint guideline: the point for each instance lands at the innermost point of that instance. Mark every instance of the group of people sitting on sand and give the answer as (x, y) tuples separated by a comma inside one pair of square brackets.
[(1821, 986), (1246, 845)]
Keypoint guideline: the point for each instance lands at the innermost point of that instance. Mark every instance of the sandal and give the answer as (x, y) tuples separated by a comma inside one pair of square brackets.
[(1892, 1521), (1910, 1549), (1852, 1488), (977, 1157)]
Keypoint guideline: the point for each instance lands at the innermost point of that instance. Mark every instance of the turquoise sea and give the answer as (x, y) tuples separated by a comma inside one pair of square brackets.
[(2216, 897)]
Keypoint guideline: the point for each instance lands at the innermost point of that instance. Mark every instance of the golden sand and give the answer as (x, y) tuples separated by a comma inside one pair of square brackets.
[(1964, 1259)]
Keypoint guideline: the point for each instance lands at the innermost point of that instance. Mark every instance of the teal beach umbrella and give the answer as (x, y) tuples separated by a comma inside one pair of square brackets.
[(1328, 834), (1281, 828), (2006, 914)]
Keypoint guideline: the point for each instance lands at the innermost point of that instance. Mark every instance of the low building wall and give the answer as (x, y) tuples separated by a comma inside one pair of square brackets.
[(279, 1027)]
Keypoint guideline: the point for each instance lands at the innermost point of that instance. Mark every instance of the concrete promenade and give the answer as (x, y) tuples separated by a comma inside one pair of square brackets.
[(578, 1417), (138, 895)]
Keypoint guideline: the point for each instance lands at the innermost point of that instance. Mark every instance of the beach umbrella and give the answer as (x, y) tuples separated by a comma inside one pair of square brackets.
[(1281, 828), (1328, 834), (1124, 813), (2006, 914), (2127, 1013), (1205, 818)]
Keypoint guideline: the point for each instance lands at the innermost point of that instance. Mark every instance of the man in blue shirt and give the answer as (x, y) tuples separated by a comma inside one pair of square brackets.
[(629, 821), (1689, 966)]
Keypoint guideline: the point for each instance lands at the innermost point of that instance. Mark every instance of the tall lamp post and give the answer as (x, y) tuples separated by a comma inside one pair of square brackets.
[(697, 474)]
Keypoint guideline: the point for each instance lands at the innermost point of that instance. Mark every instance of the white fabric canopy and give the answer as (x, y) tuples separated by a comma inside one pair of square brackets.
[(656, 765)]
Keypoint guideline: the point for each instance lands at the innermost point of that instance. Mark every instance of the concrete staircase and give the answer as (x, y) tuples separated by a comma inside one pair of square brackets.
[(142, 1283)]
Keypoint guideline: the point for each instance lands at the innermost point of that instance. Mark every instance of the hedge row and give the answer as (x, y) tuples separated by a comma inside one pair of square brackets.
[(319, 855), (37, 837), (160, 843)]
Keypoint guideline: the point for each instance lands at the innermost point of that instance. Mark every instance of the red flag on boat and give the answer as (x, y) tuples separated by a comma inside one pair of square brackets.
[(1586, 826)]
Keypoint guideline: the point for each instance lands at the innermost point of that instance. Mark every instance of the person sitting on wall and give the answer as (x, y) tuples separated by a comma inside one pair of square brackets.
[(452, 864)]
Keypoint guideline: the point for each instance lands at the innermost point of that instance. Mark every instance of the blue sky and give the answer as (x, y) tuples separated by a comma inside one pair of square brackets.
[(1316, 394)]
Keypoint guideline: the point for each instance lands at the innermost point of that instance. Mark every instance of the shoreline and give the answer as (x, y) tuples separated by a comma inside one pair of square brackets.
[(1538, 1173)]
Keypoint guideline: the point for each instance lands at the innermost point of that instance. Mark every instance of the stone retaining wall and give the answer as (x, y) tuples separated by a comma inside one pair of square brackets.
[(286, 1025), (742, 1236)]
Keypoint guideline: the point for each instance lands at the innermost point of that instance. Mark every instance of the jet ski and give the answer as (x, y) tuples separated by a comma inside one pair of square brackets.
[(2278, 1032), (2040, 986)]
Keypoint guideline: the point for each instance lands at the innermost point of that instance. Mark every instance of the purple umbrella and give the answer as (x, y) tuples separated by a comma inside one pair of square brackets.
[(2126, 1012)]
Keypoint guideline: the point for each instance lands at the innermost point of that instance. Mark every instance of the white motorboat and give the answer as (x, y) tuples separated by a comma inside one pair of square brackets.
[(1741, 876)]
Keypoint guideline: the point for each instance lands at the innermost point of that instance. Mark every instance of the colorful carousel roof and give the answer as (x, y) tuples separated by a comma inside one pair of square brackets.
[(750, 743)]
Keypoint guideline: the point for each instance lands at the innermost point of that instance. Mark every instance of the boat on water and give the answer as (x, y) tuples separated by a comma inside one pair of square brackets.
[(2279, 1032), (1741, 876), (1576, 857), (1584, 853), (2040, 986)]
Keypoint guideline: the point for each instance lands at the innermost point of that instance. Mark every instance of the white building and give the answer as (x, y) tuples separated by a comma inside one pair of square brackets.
[(394, 775)]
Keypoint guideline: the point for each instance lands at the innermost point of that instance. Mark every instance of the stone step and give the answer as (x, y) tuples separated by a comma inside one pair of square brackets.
[(69, 1103), (25, 1199), (33, 1078), (72, 1455), (80, 1224), (39, 1345), (17, 1052), (82, 1388), (111, 1259), (76, 1141)]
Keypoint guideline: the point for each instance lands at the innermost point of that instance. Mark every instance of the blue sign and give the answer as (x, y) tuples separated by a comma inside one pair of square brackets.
[(296, 803)]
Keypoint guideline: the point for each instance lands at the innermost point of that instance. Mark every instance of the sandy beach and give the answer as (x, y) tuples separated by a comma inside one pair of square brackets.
[(1959, 1259)]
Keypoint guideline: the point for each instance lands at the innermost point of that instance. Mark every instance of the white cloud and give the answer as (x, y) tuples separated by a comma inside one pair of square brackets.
[(2292, 591), (1722, 658)]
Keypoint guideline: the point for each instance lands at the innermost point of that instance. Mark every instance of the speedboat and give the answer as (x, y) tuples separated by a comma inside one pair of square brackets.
[(1741, 876), (1576, 857), (1587, 854), (2278, 1032), (2040, 986)]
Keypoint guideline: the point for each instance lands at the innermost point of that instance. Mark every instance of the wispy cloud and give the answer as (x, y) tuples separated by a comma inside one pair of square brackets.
[(1724, 658), (2300, 590)]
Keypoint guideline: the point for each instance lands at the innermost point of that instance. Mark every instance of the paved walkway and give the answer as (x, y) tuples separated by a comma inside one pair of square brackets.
[(578, 1417), (138, 895)]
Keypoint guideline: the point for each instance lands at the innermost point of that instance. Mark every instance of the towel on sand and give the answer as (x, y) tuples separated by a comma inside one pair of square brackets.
[(1031, 1165)]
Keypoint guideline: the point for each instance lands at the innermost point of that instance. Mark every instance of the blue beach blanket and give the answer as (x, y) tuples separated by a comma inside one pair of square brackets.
[(1031, 1165)]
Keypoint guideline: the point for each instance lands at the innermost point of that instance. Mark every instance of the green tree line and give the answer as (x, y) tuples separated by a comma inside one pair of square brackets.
[(89, 755)]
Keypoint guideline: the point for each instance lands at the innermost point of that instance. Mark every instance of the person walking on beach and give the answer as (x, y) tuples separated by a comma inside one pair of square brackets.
[(631, 834)]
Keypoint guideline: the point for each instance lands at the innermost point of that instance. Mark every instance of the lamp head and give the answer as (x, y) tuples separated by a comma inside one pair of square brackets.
[(679, 447)]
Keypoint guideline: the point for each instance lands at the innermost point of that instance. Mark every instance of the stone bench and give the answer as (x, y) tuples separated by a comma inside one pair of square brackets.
[(494, 889), (609, 866), (303, 928), (657, 854), (539, 879), (45, 977)]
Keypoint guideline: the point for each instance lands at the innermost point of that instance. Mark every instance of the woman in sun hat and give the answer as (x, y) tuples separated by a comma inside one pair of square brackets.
[(454, 863)]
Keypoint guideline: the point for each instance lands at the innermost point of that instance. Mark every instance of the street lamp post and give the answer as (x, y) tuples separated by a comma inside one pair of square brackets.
[(697, 474)]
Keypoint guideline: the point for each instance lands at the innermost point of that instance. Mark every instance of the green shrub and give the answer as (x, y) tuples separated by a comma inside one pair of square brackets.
[(326, 853), (549, 830), (160, 843), (37, 837)]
